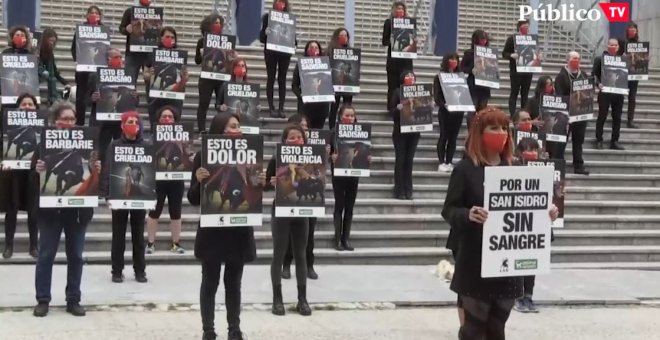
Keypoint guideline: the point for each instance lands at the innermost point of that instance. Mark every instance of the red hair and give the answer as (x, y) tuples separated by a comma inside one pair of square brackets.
[(487, 117), (129, 114)]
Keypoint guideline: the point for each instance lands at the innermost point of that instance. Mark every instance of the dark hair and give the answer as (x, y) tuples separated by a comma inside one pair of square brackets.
[(171, 30), (297, 118), (344, 107), (233, 64), (399, 3), (540, 86), (90, 8), (334, 39), (27, 95), (175, 112), (220, 121), (311, 42), (516, 115), (632, 24), (404, 73), (205, 25), (59, 107), (13, 31), (444, 65), (527, 143), (290, 128), (45, 51), (521, 22), (479, 34)]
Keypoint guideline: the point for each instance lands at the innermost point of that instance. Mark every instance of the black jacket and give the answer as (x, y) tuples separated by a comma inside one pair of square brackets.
[(402, 64), (509, 49), (467, 64), (104, 185), (126, 19), (564, 79), (198, 55), (74, 51), (597, 70), (263, 37), (309, 109)]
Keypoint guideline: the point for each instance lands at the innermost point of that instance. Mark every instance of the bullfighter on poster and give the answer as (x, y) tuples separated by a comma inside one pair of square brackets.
[(169, 81), (132, 177), (300, 189), (529, 56)]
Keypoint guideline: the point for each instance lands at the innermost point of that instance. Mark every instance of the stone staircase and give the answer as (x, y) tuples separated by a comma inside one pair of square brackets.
[(610, 215)]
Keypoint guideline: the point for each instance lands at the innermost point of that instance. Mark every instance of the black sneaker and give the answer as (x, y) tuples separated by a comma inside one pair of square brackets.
[(8, 253), (311, 274), (209, 335), (530, 305), (117, 278), (599, 144), (235, 335), (286, 272), (631, 125), (75, 309), (141, 277), (581, 171), (521, 306), (616, 146), (280, 113), (40, 310)]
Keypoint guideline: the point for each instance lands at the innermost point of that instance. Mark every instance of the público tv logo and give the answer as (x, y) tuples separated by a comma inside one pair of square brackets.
[(614, 12)]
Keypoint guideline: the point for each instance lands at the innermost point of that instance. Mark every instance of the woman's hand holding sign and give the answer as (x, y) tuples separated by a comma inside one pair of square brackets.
[(554, 212), (478, 215), (202, 174)]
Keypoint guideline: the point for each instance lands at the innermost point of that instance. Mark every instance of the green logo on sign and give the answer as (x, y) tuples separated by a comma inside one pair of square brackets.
[(306, 212), (76, 201), (177, 176), (137, 205), (238, 220), (526, 264)]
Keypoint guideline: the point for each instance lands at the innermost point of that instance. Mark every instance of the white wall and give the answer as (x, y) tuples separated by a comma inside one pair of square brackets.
[(647, 15)]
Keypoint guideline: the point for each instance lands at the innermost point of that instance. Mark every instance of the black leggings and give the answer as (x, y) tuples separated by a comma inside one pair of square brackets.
[(173, 190), (108, 131), (206, 88), (405, 145), (484, 319), (10, 228), (120, 221), (284, 230), (520, 82), (210, 281), (605, 100), (345, 190), (276, 63), (450, 126), (82, 95), (528, 284), (309, 250), (632, 100), (332, 118)]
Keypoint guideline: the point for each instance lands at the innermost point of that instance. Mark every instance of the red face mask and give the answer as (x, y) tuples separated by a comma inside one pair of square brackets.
[(131, 130), (347, 120), (279, 6), (166, 121), (574, 64), (19, 41), (216, 28), (409, 80), (632, 32), (399, 13), (494, 142), (115, 62), (240, 72), (483, 42), (549, 89), (145, 2), (452, 64), (343, 41), (233, 133), (65, 125), (168, 42), (296, 142), (525, 126), (524, 30), (313, 52), (93, 19), (530, 155), (612, 50)]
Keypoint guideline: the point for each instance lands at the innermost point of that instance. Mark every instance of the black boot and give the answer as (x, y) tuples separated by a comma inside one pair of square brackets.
[(8, 253), (346, 235), (273, 113), (235, 334), (286, 272), (34, 251), (337, 241), (280, 112), (209, 335), (303, 307), (278, 305)]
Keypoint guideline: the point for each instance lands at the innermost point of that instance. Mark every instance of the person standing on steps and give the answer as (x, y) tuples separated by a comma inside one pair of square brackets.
[(450, 122), (47, 66), (52, 221), (607, 100), (317, 113), (480, 94), (212, 23), (285, 229), (214, 247), (520, 82), (277, 63), (135, 61), (340, 39), (544, 86), (394, 66), (239, 74), (632, 36)]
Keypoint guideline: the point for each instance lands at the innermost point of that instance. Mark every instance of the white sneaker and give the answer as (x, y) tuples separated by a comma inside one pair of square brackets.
[(450, 167), (442, 168)]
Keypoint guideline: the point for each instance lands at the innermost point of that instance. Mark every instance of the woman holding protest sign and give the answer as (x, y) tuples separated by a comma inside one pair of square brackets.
[(233, 246), (544, 86), (317, 113), (450, 122), (394, 66), (18, 41), (480, 94), (239, 72), (214, 24), (486, 302), (340, 39), (47, 66)]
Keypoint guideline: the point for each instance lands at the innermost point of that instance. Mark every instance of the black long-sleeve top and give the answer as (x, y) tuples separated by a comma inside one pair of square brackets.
[(73, 45), (597, 69), (466, 189), (93, 85), (467, 64), (533, 107), (126, 19), (438, 95), (395, 113), (104, 185), (564, 79), (402, 64), (509, 49), (263, 37), (198, 54)]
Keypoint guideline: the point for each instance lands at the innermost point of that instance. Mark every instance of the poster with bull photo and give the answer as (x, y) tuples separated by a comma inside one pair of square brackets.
[(70, 179), (559, 186), (132, 177), (345, 63), (403, 40), (519, 135), (243, 100), (554, 111), (486, 70), (146, 23), (529, 55), (281, 32), (417, 111), (92, 44), (218, 53), (582, 100), (36, 39), (18, 75), (300, 173), (169, 81), (456, 92), (638, 60), (232, 195), (517, 233), (316, 80), (173, 150), (116, 89), (353, 150), (318, 137), (21, 131), (614, 74)]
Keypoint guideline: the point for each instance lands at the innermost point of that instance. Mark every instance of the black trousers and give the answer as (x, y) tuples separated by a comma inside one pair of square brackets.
[(316, 113), (10, 228), (528, 284), (332, 118), (405, 145), (520, 83), (605, 100), (206, 88), (108, 131), (450, 126), (284, 230), (484, 319), (210, 281), (345, 190), (136, 61), (120, 220), (82, 94), (576, 131), (632, 99), (276, 64), (309, 250)]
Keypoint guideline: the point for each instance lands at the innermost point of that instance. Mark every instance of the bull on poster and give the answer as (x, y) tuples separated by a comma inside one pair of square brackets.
[(92, 44), (559, 186), (218, 53), (529, 56), (486, 70), (243, 100), (403, 40), (614, 76), (318, 137), (638, 60), (345, 63), (232, 195), (70, 180), (147, 23), (417, 111), (173, 151), (168, 79), (353, 150), (116, 88), (582, 100), (456, 92), (21, 132), (132, 177), (516, 235), (18, 75), (316, 80), (300, 174), (554, 111), (281, 32), (519, 135)]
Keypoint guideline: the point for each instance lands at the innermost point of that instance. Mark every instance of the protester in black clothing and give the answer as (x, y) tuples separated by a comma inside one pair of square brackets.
[(480, 94), (276, 63), (47, 66), (317, 113), (405, 144), (131, 134), (577, 130), (544, 86), (134, 60), (285, 229), (632, 36), (450, 122), (520, 82), (340, 39), (211, 24), (605, 100), (232, 247), (394, 66)]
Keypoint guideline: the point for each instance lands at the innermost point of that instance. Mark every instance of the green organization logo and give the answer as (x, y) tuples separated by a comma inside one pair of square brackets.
[(137, 205), (306, 212), (238, 220), (527, 264), (75, 202)]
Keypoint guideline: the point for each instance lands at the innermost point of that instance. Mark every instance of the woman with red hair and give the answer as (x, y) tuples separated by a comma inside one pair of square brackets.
[(484, 303)]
